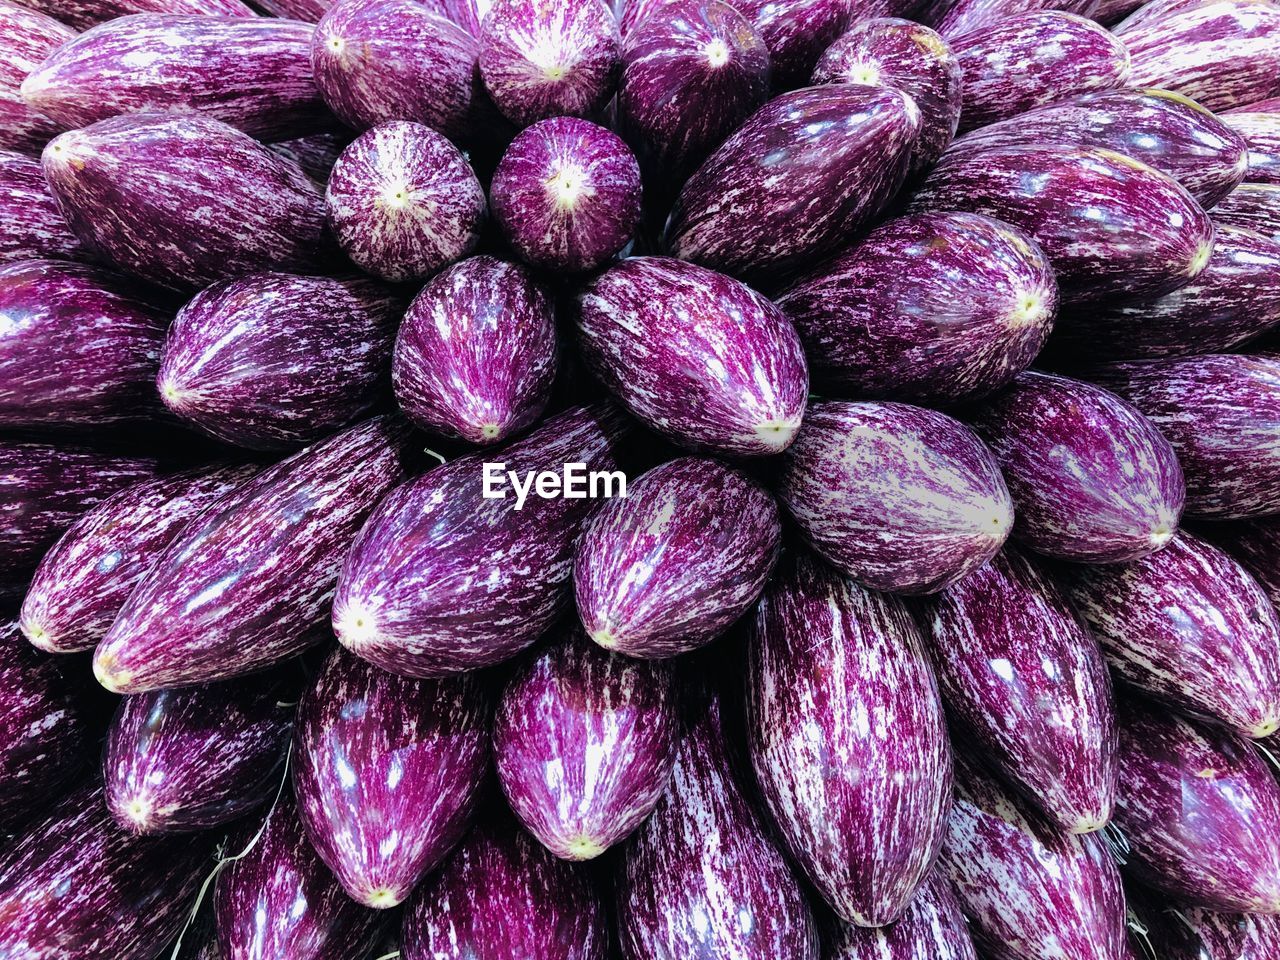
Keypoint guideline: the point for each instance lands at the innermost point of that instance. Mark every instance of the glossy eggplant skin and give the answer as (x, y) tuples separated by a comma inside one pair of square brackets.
[(31, 225), (1256, 544), (932, 928), (1253, 206), (1258, 124), (317, 153), (1193, 933), (82, 14), (29, 37)]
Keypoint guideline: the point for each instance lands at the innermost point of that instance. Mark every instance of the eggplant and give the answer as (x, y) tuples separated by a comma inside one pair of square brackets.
[(1092, 478), (403, 202), (1110, 12), (1256, 544), (272, 361), (316, 154), (31, 225), (29, 37), (82, 14), (694, 355), (1253, 206), (1192, 933), (1258, 124), (954, 18), (932, 928), (387, 772), (899, 498), (933, 307), (670, 567), (247, 582), (861, 803)]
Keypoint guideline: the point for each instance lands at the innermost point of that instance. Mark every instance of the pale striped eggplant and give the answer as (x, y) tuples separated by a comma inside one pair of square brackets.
[(1258, 124), (954, 18), (932, 928), (462, 12), (29, 37), (1193, 933), (1256, 544), (82, 14), (317, 153), (1253, 206), (31, 225)]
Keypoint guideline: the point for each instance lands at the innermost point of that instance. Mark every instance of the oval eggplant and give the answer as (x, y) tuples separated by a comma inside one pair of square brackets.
[(403, 202), (696, 356), (82, 14), (29, 37), (1253, 206), (935, 308), (432, 586), (244, 584), (798, 31), (585, 742), (1256, 544), (954, 18), (138, 188), (932, 928), (272, 361), (387, 771), (1258, 124), (31, 225), (900, 498), (1093, 479), (316, 154)]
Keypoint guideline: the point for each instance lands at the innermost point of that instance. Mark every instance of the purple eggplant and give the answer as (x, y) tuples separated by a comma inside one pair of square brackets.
[(584, 742), (795, 180), (31, 225), (29, 37), (861, 804), (519, 902), (1253, 206), (900, 498), (455, 571), (403, 202), (567, 194), (1256, 544), (461, 12), (316, 154), (387, 771), (272, 361), (1110, 12), (931, 928), (696, 356), (186, 200), (1258, 124), (246, 583), (1193, 933), (251, 72), (954, 18), (1092, 478), (83, 14), (935, 307)]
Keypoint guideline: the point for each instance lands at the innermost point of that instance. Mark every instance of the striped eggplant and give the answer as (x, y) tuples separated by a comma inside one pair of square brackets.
[(932, 928), (935, 307), (81, 347), (179, 761), (909, 57), (403, 202), (1027, 686), (862, 805), (1111, 225), (1258, 124), (251, 72), (519, 902), (584, 742), (1256, 544), (245, 583), (462, 12), (279, 900), (316, 153), (954, 18), (387, 771), (701, 877), (1188, 626), (272, 361), (1200, 810), (137, 188), (1193, 933), (82, 14), (84, 580), (1110, 12), (29, 36), (696, 356), (31, 225), (1030, 891), (671, 566), (795, 180), (1028, 60), (1092, 478), (900, 498), (1221, 413), (77, 886), (444, 578), (1253, 206), (475, 357)]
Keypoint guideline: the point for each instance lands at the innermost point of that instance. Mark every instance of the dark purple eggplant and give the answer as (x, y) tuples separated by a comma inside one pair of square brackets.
[(953, 18), (1256, 544), (83, 14), (31, 225), (1258, 124), (1193, 933), (29, 36), (316, 154), (1253, 206), (932, 928)]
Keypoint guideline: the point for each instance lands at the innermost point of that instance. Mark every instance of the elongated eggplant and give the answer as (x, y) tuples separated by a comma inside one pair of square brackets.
[(1253, 206), (1110, 12), (1092, 478), (1193, 933), (932, 928), (31, 225), (1258, 124), (1256, 544), (316, 154), (954, 18), (82, 14), (245, 584), (29, 37), (272, 361), (900, 498)]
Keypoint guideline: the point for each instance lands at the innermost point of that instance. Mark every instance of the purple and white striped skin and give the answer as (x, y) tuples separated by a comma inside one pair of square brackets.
[(900, 498), (801, 175), (1027, 684), (185, 200), (28, 37), (316, 153), (1221, 413), (245, 583), (701, 877), (931, 928), (671, 566), (934, 307), (1200, 810), (476, 355), (1111, 225), (86, 577), (861, 803), (443, 579), (272, 361), (1253, 206), (461, 12), (1256, 544), (1030, 891), (1093, 479), (31, 225), (82, 14), (955, 18), (403, 202), (503, 895), (584, 742), (1197, 934), (387, 771), (547, 58), (1188, 626), (81, 347), (696, 356), (1259, 125), (566, 194)]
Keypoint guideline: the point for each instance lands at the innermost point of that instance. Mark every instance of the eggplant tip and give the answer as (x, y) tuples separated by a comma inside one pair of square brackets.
[(355, 626), (583, 847), (111, 678), (1264, 728), (567, 185), (717, 53), (36, 634), (1161, 535), (1089, 824), (383, 898), (604, 637), (777, 434), (1201, 257)]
